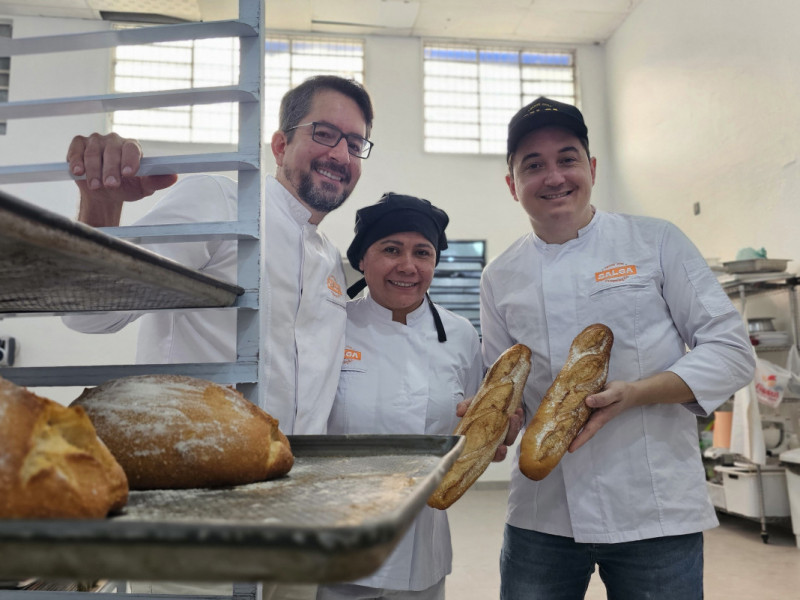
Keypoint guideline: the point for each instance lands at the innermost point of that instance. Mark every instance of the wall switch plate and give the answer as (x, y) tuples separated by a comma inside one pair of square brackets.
[(696, 208), (7, 348)]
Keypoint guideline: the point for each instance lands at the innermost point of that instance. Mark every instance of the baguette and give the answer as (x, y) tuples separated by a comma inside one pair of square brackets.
[(563, 412), (52, 464), (170, 431), (485, 423)]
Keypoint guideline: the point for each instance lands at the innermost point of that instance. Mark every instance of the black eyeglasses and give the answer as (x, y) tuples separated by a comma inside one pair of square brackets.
[(328, 135)]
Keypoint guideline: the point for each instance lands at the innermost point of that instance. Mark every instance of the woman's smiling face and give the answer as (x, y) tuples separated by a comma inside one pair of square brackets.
[(399, 270)]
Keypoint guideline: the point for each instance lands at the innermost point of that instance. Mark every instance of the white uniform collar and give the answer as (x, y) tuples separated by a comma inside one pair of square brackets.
[(385, 314), (275, 189), (582, 232)]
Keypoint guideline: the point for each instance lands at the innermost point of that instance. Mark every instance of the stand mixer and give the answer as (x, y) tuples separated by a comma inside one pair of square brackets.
[(780, 433)]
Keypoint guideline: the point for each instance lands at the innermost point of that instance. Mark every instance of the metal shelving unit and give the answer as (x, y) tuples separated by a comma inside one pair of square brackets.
[(249, 27), (742, 287), (246, 161)]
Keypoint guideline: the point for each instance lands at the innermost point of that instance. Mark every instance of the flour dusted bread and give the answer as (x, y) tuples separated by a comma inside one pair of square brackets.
[(52, 464), (563, 412), (170, 431), (485, 423)]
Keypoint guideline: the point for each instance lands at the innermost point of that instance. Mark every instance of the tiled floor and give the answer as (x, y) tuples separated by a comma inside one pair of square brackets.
[(738, 565)]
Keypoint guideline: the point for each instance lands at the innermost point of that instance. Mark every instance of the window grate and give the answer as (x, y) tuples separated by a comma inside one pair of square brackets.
[(214, 62), (471, 92)]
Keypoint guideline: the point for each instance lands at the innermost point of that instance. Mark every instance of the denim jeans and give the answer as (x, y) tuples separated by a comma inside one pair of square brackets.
[(538, 566)]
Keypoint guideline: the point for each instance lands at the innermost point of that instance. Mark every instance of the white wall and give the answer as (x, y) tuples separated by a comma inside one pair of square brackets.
[(702, 101), (702, 107)]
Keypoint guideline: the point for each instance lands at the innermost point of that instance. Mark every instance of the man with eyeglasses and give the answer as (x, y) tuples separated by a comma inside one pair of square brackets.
[(318, 149)]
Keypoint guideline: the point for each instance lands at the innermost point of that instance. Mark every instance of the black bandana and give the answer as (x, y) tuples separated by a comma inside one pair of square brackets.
[(395, 213)]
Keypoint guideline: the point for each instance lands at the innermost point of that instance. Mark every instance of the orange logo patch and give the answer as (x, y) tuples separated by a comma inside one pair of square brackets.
[(350, 355), (334, 287), (615, 272)]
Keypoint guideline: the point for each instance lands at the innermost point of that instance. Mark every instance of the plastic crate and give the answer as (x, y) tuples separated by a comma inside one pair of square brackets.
[(716, 491), (742, 495)]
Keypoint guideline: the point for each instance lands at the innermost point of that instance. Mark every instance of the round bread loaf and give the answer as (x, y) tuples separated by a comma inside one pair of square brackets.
[(171, 431), (52, 464)]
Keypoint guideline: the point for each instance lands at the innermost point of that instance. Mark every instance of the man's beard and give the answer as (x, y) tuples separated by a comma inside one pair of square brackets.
[(322, 198)]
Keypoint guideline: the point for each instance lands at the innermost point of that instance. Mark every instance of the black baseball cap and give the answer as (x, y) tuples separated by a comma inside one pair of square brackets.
[(543, 112)]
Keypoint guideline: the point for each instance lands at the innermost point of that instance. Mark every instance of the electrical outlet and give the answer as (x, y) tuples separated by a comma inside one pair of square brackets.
[(7, 347)]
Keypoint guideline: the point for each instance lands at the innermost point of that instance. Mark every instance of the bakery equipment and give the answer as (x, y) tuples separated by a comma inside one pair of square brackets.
[(336, 516), (51, 263), (743, 485), (770, 339), (759, 324), (791, 461), (776, 434), (756, 265)]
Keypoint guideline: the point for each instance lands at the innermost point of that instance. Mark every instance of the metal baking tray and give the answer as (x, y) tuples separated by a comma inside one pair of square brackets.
[(756, 265), (49, 263), (336, 516)]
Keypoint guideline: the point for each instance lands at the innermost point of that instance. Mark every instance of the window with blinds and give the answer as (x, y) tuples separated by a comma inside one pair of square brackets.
[(471, 92), (214, 62), (5, 71)]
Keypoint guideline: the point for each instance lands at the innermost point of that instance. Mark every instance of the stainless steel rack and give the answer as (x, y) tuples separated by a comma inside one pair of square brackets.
[(742, 286), (246, 161), (248, 93)]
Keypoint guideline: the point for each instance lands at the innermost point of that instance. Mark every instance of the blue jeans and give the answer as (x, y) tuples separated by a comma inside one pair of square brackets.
[(538, 566)]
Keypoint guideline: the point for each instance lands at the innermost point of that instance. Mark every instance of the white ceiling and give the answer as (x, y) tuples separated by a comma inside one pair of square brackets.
[(550, 21)]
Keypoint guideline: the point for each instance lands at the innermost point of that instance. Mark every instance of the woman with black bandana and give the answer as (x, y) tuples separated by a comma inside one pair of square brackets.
[(407, 364)]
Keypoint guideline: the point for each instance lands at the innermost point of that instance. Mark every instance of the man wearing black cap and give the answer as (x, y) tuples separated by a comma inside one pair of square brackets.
[(634, 500), (407, 365)]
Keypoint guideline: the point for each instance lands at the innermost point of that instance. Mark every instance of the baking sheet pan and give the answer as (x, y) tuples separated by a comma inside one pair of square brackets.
[(336, 516), (756, 265), (49, 263)]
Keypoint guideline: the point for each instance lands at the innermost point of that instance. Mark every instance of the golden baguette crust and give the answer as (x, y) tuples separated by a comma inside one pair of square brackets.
[(563, 412), (52, 464), (485, 423), (171, 431)]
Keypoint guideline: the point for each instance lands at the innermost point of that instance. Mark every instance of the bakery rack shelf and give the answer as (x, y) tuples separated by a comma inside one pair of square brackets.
[(122, 37), (57, 107), (158, 165), (241, 297), (239, 372), (741, 287), (90, 281), (456, 281)]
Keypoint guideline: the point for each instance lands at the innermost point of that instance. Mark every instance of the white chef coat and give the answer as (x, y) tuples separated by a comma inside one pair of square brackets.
[(400, 379), (301, 301), (641, 475)]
